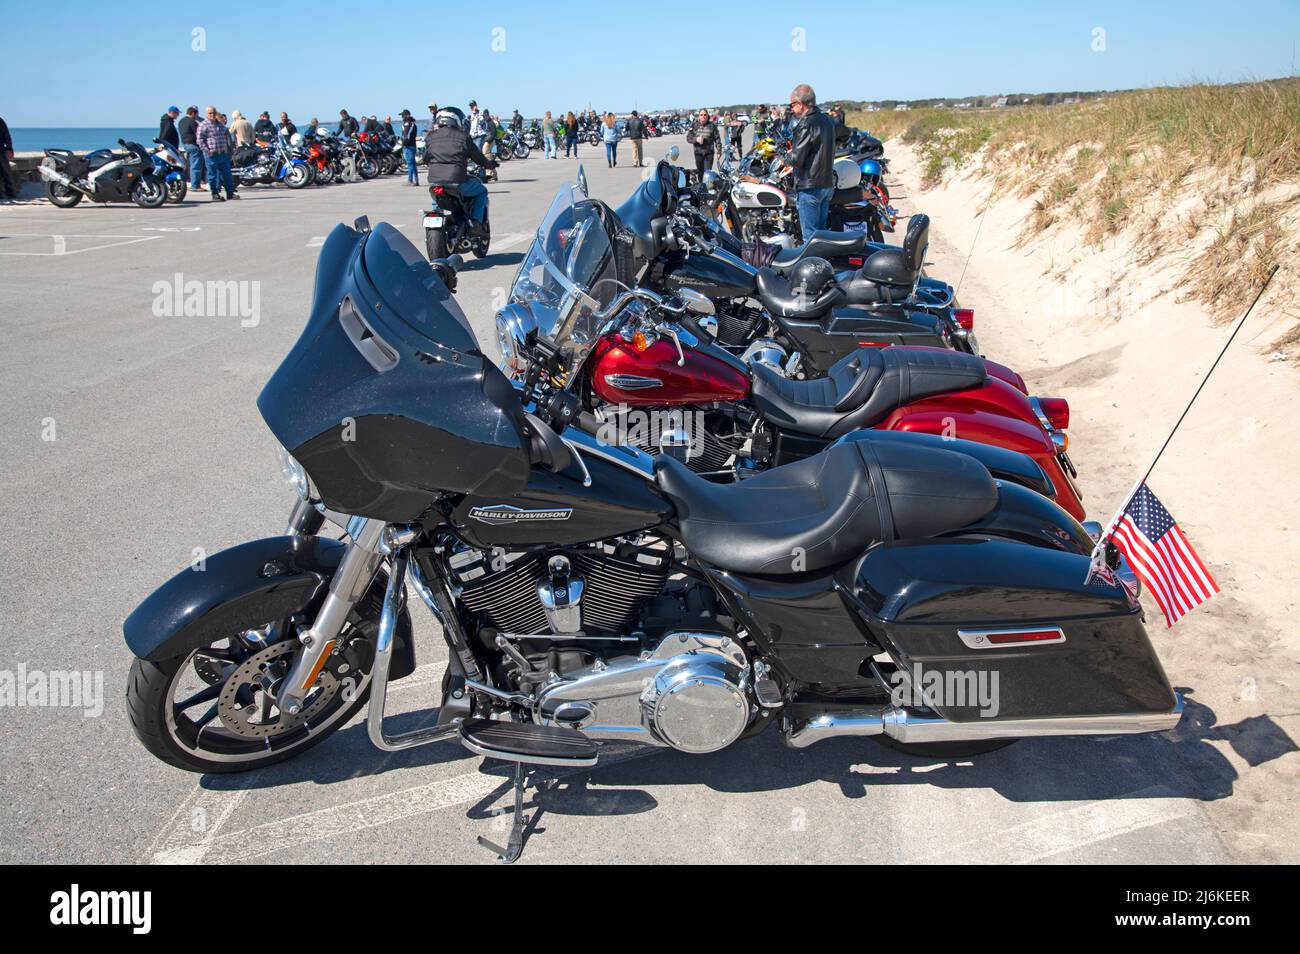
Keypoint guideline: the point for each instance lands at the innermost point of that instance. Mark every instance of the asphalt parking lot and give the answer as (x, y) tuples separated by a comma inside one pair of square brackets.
[(132, 441)]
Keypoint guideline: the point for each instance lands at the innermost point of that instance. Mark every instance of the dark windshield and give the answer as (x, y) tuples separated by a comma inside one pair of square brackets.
[(413, 292)]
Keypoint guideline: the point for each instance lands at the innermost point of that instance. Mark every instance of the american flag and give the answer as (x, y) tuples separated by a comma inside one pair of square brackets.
[(1161, 556)]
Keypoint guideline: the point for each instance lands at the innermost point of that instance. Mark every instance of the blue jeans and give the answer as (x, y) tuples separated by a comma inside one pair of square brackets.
[(571, 142), (479, 141), (219, 174), (477, 194), (550, 147), (814, 206), (412, 170), (611, 152), (195, 156)]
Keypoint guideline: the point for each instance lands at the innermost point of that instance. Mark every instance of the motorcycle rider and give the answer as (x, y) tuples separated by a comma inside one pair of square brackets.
[(347, 124), (811, 159), (448, 149)]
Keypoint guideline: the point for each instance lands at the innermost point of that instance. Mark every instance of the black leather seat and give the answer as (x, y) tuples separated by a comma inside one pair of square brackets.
[(861, 389), (783, 300), (822, 244), (826, 509)]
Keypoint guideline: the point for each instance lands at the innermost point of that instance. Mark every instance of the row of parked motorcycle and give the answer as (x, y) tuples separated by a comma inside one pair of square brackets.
[(152, 177), (716, 484)]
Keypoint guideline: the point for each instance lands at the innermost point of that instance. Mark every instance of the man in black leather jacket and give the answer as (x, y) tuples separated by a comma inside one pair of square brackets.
[(447, 151), (812, 160)]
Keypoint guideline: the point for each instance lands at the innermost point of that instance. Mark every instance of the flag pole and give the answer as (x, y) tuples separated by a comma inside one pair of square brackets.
[(1141, 480)]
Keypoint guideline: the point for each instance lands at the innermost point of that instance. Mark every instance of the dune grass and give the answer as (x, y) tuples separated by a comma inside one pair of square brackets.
[(1098, 165)]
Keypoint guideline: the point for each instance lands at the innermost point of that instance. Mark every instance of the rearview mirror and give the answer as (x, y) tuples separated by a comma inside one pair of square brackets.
[(673, 153)]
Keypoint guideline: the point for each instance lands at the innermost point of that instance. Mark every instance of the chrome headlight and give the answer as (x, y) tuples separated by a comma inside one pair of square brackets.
[(513, 322), (295, 476)]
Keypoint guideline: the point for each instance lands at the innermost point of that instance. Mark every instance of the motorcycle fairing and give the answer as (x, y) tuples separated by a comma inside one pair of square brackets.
[(244, 587)]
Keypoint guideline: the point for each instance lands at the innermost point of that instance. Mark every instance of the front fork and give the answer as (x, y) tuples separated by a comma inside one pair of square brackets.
[(371, 541), (357, 568)]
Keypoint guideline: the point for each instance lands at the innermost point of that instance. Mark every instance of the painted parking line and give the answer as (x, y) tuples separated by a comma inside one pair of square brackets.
[(316, 241), (59, 243), (182, 845)]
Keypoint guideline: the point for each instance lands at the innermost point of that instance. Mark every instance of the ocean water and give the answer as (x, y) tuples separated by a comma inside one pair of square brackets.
[(81, 139)]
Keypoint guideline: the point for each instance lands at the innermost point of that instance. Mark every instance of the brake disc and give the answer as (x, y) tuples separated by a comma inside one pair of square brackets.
[(247, 702)]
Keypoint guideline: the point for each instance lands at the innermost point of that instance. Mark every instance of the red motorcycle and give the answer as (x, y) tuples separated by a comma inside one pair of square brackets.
[(654, 381)]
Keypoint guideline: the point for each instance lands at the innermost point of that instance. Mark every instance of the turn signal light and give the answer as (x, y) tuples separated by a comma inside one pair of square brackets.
[(1057, 411), (639, 342), (965, 317)]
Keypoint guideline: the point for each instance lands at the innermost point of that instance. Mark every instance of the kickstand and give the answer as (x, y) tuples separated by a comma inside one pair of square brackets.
[(515, 845)]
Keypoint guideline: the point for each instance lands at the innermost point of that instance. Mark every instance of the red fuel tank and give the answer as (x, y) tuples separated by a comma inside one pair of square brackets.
[(652, 378)]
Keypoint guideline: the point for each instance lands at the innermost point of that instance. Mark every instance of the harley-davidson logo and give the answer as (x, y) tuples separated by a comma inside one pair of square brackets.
[(504, 513)]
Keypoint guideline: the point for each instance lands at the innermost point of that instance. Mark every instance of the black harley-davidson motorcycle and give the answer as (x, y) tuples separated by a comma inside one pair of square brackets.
[(587, 592)]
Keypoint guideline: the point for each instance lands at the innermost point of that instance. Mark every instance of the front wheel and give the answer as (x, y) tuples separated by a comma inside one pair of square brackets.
[(149, 193), (177, 190), (214, 710), (435, 243), (61, 196), (522, 150), (367, 168), (297, 176)]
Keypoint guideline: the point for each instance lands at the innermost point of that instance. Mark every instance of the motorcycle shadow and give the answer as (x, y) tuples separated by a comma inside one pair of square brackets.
[(1178, 764), (492, 259)]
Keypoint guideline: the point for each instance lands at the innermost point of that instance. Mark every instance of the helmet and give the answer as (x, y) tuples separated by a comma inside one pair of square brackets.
[(295, 140), (847, 174), (811, 277), (450, 116)]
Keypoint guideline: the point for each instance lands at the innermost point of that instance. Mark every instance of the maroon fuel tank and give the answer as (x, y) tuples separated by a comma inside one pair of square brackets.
[(652, 378)]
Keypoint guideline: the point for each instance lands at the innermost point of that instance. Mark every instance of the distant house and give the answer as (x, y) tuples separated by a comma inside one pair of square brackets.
[(962, 106), (1070, 100), (872, 109), (1000, 101), (902, 108)]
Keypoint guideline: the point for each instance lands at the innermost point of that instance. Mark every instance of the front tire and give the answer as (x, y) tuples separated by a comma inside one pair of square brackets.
[(522, 150), (177, 189), (149, 193), (366, 167), (196, 735), (297, 176)]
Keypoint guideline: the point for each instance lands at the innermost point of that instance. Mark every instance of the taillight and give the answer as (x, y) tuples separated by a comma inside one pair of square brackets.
[(437, 190), (965, 318), (1057, 411)]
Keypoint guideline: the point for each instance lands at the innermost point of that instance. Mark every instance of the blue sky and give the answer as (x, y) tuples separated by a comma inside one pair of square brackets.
[(75, 63)]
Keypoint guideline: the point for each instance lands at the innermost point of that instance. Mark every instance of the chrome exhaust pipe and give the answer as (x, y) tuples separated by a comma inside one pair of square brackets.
[(906, 726), (50, 174)]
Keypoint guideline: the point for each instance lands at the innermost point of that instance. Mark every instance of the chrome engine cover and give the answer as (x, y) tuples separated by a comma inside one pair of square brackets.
[(765, 351), (697, 703), (691, 692)]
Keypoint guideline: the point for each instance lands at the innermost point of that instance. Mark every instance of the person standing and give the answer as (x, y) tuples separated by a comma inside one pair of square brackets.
[(571, 134), (636, 133), (703, 136), (548, 135), (241, 129), (264, 129), (408, 148), (8, 185), (477, 132), (347, 124), (167, 128), (517, 122), (609, 133), (760, 124), (811, 159), (287, 128), (187, 129), (388, 125), (214, 140)]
